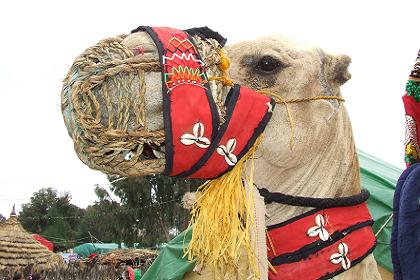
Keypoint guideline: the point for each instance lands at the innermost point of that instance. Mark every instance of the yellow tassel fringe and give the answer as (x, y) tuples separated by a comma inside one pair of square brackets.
[(222, 220)]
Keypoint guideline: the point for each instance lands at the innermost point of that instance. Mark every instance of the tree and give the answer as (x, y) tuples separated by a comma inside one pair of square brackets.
[(51, 214), (103, 219), (151, 208), (148, 211)]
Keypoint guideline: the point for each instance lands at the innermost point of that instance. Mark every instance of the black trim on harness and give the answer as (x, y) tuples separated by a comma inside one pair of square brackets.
[(206, 33), (320, 203)]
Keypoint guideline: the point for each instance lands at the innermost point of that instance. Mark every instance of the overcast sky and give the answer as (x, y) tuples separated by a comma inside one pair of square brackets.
[(40, 39)]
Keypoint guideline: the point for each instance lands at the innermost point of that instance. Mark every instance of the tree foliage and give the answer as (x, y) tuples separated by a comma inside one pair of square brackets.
[(147, 211), (51, 214)]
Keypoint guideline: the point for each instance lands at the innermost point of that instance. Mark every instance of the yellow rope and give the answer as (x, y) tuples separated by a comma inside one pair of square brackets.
[(228, 82), (297, 100), (271, 267), (224, 80), (271, 243)]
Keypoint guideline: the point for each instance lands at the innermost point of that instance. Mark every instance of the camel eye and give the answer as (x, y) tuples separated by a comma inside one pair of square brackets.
[(268, 64)]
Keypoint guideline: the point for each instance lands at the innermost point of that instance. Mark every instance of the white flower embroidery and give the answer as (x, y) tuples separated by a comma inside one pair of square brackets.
[(197, 137), (319, 229), (341, 256), (227, 151), (270, 107)]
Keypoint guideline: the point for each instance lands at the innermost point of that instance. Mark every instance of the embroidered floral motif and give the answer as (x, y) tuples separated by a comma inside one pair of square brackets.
[(182, 65), (412, 148), (227, 150), (319, 229), (197, 137), (341, 256)]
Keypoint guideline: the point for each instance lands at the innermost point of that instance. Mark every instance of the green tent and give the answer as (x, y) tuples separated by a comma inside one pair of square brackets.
[(377, 176), (86, 249)]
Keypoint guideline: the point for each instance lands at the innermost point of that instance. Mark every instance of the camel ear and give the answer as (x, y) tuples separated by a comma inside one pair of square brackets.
[(336, 68)]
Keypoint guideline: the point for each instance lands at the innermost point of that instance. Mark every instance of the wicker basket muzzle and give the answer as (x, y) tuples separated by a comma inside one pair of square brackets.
[(112, 103), (103, 105)]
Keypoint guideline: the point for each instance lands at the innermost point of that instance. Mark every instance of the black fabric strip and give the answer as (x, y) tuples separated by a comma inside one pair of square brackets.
[(206, 33), (316, 246), (353, 263), (169, 152), (234, 94), (310, 212), (293, 219), (213, 107), (320, 203)]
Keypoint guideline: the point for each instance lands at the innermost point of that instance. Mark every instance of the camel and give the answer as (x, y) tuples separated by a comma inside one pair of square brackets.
[(317, 160), (322, 161)]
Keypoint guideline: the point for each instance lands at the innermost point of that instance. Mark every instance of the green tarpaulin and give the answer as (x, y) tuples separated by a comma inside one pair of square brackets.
[(377, 176), (380, 178), (170, 265), (86, 249)]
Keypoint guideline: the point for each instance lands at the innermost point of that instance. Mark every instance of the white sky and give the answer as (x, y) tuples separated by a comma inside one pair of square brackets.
[(40, 39)]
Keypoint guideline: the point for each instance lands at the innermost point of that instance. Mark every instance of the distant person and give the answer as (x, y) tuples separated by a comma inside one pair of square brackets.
[(18, 276), (405, 238), (34, 276)]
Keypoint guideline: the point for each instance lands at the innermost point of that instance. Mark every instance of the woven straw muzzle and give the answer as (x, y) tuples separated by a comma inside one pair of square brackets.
[(111, 102), (103, 105)]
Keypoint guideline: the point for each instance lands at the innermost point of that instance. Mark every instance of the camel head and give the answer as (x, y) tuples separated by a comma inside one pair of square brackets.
[(294, 71), (112, 99)]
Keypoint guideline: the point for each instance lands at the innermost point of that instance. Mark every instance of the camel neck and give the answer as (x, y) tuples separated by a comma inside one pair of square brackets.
[(332, 172)]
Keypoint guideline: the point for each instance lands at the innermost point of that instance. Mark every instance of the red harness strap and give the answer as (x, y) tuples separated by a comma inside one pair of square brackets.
[(196, 144), (320, 243)]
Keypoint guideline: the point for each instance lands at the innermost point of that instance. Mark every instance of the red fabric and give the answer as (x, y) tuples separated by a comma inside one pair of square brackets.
[(193, 128), (319, 265), (250, 109), (189, 103), (43, 241), (293, 236)]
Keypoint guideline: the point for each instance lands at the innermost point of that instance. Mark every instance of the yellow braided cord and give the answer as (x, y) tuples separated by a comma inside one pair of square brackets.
[(228, 82), (279, 99), (222, 219), (224, 80), (289, 115), (271, 267)]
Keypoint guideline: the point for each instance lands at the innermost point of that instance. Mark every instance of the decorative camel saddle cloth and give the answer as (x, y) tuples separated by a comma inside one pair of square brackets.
[(320, 244), (197, 145)]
